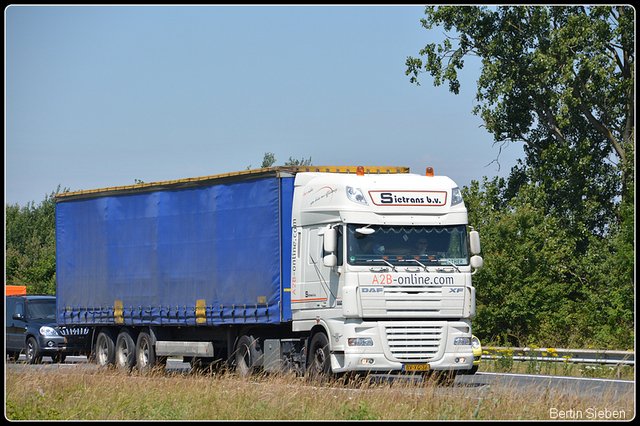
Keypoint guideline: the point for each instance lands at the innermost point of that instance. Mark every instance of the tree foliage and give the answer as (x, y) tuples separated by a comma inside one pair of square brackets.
[(30, 257), (301, 162), (559, 75), (269, 160), (534, 288)]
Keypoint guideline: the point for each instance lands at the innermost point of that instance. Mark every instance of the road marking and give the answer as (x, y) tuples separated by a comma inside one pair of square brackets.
[(555, 377)]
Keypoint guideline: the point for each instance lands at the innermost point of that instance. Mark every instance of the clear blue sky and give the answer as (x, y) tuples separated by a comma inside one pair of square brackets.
[(102, 96)]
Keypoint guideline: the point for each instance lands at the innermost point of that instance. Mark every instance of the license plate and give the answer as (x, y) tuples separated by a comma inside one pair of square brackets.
[(415, 367)]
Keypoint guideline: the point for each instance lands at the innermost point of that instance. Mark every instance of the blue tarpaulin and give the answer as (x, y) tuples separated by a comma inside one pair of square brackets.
[(189, 256)]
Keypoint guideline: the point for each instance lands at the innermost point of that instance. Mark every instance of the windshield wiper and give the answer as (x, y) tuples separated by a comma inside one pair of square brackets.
[(450, 263), (382, 260), (419, 263)]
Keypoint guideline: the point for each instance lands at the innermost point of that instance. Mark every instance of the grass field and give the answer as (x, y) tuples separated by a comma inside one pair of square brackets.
[(83, 394)]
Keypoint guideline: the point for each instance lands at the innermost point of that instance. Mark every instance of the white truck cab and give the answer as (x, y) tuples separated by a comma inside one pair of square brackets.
[(383, 264)]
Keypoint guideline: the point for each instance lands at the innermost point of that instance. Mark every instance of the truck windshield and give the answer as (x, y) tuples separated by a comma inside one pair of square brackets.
[(404, 245)]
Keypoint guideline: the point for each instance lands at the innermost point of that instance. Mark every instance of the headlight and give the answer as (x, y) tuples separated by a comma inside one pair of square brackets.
[(360, 341), (456, 196), (464, 341), (356, 195), (45, 330), (475, 343)]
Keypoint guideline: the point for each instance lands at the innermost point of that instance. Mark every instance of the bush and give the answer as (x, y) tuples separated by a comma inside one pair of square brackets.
[(30, 256), (537, 285)]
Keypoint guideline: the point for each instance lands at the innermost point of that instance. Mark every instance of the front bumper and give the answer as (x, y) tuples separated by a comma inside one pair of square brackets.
[(397, 344), (53, 345), (342, 362)]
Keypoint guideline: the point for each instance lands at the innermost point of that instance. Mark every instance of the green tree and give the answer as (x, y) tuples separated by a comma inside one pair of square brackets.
[(524, 284), (30, 257), (269, 160), (295, 162), (534, 288), (559, 75)]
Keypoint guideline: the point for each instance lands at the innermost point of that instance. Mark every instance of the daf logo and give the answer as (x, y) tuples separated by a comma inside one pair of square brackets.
[(372, 289)]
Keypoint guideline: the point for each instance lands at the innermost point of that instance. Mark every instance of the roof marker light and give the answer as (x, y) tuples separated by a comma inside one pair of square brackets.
[(430, 171), (360, 171)]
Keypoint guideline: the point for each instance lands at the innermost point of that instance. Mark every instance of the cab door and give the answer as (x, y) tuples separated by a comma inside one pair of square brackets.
[(319, 279), (16, 328)]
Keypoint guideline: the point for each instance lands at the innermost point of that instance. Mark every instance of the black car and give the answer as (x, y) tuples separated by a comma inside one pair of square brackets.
[(32, 330)]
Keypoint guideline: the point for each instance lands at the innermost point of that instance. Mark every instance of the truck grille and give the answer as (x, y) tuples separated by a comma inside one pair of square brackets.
[(413, 343), (73, 331)]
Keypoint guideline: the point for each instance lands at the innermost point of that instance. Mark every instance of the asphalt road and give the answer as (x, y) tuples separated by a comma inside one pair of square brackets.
[(553, 384), (514, 382)]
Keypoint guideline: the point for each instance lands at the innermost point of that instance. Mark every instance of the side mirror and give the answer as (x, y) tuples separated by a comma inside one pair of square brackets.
[(476, 262), (330, 260), (474, 242), (330, 240), (18, 317)]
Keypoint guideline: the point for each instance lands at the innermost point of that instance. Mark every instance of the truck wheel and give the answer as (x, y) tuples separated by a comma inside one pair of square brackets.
[(33, 351), (247, 355), (125, 350), (145, 352), (105, 348), (319, 362)]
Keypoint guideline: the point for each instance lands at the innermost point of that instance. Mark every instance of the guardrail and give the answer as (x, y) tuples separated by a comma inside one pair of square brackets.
[(576, 356)]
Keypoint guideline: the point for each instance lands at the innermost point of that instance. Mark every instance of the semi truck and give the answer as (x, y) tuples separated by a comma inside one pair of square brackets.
[(316, 270)]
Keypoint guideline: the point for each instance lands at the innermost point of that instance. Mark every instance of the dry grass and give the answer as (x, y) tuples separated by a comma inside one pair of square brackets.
[(87, 394)]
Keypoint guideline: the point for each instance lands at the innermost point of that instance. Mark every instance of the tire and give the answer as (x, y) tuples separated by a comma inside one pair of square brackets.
[(319, 365), (105, 353), (33, 351), (247, 355), (145, 353), (125, 350)]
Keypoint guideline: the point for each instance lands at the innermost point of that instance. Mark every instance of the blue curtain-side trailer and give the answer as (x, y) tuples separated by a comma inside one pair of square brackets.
[(190, 263)]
